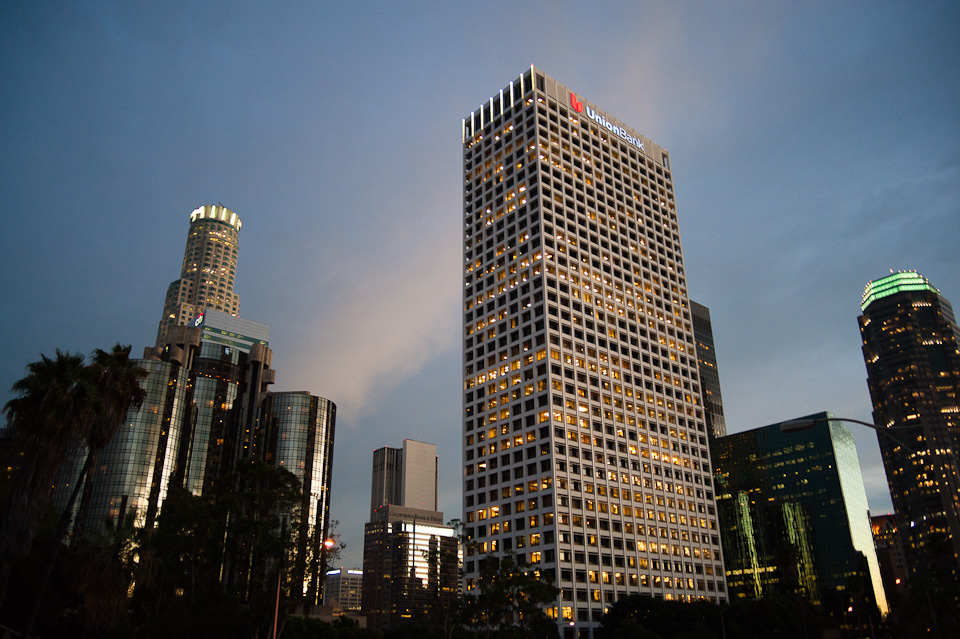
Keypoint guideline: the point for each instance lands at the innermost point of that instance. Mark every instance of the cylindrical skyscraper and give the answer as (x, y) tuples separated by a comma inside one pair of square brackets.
[(910, 345), (208, 272)]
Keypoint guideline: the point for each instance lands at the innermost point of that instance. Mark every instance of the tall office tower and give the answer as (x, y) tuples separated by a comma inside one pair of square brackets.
[(404, 476), (910, 346), (709, 373), (410, 557), (208, 271), (584, 443), (794, 518), (298, 431)]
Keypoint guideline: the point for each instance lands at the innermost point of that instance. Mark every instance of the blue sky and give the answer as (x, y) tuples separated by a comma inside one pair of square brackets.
[(814, 146)]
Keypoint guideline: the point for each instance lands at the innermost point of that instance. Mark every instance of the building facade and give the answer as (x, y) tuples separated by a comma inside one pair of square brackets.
[(794, 518), (201, 414), (298, 429), (584, 439), (404, 476), (709, 373), (208, 272), (893, 565), (410, 556), (410, 568), (910, 346), (343, 587)]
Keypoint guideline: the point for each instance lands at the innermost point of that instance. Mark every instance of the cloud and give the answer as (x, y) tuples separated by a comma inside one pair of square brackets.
[(387, 316)]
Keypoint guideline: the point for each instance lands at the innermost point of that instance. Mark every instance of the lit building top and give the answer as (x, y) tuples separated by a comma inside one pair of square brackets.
[(216, 212), (893, 284)]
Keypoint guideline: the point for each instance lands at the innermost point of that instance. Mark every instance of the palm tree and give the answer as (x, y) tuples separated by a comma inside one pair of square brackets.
[(61, 404), (54, 403), (117, 382)]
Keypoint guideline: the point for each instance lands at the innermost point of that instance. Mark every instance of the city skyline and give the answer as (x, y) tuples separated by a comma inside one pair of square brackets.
[(815, 151)]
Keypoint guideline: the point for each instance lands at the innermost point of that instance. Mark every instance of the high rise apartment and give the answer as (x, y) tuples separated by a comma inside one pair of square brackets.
[(794, 518), (584, 442), (208, 271), (910, 346), (709, 373)]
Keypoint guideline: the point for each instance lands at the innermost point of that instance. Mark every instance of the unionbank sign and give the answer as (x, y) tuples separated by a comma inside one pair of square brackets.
[(599, 119)]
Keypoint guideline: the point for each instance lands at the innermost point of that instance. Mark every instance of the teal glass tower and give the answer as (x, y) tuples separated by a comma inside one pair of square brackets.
[(793, 515)]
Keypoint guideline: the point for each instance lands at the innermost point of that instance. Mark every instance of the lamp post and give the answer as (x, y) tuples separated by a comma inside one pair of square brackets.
[(328, 544), (806, 423)]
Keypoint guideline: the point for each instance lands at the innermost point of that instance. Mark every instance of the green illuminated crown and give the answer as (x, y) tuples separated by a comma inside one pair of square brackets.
[(895, 283)]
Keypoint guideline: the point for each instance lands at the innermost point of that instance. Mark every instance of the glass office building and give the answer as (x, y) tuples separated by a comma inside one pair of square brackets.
[(910, 346), (793, 516), (299, 428), (584, 440), (709, 373), (410, 567)]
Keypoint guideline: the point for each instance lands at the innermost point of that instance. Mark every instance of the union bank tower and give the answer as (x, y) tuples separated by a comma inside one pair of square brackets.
[(584, 442)]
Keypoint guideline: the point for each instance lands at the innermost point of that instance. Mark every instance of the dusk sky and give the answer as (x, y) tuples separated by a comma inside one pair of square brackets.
[(815, 146)]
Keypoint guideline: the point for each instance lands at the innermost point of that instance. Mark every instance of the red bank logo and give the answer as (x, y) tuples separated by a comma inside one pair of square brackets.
[(599, 119), (577, 105)]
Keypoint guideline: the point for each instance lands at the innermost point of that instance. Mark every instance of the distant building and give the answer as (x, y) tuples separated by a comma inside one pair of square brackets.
[(709, 373), (410, 556), (910, 346), (893, 564), (793, 516), (404, 476), (343, 587), (410, 567)]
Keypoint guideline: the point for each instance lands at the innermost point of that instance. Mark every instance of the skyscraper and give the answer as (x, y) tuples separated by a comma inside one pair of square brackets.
[(709, 373), (208, 407), (794, 518), (584, 441), (410, 556), (297, 431), (910, 346), (404, 476), (208, 271)]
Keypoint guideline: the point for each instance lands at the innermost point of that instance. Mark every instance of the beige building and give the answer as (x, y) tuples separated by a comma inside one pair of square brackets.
[(405, 476), (584, 440), (208, 272)]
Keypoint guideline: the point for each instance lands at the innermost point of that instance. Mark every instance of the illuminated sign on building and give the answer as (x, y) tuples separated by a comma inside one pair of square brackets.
[(578, 106)]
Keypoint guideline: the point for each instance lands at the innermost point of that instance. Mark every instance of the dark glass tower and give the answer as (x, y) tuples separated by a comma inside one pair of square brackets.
[(709, 373), (794, 518), (910, 346)]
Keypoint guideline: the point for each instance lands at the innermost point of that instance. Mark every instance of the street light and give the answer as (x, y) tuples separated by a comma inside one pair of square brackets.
[(806, 423)]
